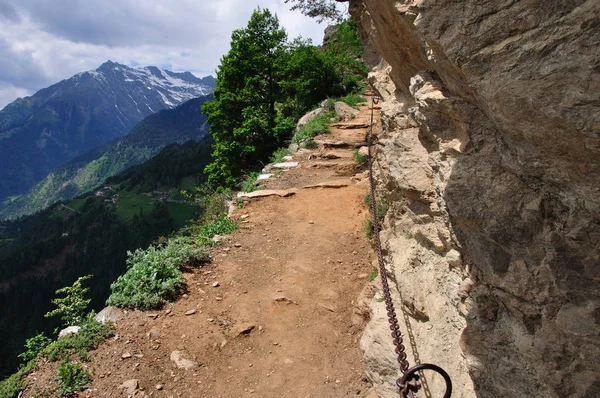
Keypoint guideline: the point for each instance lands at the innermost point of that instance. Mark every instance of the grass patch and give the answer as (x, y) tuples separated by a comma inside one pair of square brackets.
[(249, 183), (76, 203), (130, 204), (367, 227), (221, 226), (353, 100), (72, 378), (359, 158), (90, 335), (316, 126), (278, 155), (154, 274), (381, 207)]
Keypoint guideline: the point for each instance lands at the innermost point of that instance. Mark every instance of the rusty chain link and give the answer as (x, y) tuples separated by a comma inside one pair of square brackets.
[(408, 383)]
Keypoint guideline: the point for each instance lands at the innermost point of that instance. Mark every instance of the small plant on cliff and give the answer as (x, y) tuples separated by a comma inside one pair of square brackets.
[(72, 377), (373, 275), (33, 346), (360, 158), (321, 9), (367, 227), (154, 274), (71, 308)]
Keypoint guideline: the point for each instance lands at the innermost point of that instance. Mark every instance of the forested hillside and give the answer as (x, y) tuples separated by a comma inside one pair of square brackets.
[(89, 235)]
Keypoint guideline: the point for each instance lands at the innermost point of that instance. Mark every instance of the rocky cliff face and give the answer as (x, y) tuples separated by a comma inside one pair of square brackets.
[(490, 164)]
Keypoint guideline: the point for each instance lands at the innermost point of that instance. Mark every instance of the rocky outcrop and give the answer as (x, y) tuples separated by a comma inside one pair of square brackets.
[(490, 165)]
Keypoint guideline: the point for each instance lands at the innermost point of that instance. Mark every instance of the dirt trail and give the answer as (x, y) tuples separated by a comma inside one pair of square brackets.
[(285, 318)]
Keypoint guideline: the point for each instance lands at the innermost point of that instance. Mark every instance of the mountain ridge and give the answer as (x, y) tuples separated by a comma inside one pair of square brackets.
[(76, 115)]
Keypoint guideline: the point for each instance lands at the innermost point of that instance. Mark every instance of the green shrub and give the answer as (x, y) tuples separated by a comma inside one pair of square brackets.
[(154, 274), (12, 386), (214, 202), (352, 99), (221, 226), (72, 377), (249, 184), (34, 346), (71, 308), (316, 126), (90, 335), (278, 155)]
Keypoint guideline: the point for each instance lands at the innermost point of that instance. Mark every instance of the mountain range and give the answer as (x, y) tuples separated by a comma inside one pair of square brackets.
[(83, 173), (83, 113)]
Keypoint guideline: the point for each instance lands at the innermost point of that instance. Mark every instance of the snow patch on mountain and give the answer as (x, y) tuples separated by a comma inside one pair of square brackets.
[(173, 88)]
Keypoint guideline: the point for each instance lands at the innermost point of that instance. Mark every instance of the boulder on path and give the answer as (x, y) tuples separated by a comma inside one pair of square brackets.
[(182, 360), (345, 111), (310, 116), (109, 314)]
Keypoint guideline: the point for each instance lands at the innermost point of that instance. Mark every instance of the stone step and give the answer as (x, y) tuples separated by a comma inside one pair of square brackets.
[(331, 164), (267, 192), (330, 184), (349, 125), (332, 143)]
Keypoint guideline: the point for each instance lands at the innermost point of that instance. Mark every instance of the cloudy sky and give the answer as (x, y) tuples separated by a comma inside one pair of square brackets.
[(43, 42)]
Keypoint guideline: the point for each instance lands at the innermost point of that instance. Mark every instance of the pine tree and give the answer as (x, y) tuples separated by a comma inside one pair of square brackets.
[(320, 9)]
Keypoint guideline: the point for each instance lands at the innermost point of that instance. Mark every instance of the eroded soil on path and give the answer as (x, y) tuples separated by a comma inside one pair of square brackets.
[(276, 313)]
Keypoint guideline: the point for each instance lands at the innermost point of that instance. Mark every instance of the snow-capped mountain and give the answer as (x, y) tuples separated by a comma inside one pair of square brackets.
[(150, 87), (71, 117)]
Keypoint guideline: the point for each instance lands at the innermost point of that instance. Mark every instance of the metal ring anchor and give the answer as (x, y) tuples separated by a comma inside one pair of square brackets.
[(408, 382)]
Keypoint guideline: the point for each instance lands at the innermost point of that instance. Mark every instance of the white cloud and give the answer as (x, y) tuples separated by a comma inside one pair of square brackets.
[(44, 42), (9, 93)]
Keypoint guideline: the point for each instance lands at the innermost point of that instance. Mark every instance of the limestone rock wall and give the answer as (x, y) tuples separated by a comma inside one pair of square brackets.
[(490, 166)]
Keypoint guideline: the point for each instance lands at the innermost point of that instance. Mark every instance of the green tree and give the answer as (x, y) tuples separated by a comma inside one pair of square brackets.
[(320, 9), (72, 307), (242, 117)]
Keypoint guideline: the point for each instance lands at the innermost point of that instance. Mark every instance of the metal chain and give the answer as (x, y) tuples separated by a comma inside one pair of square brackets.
[(408, 383), (391, 312)]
